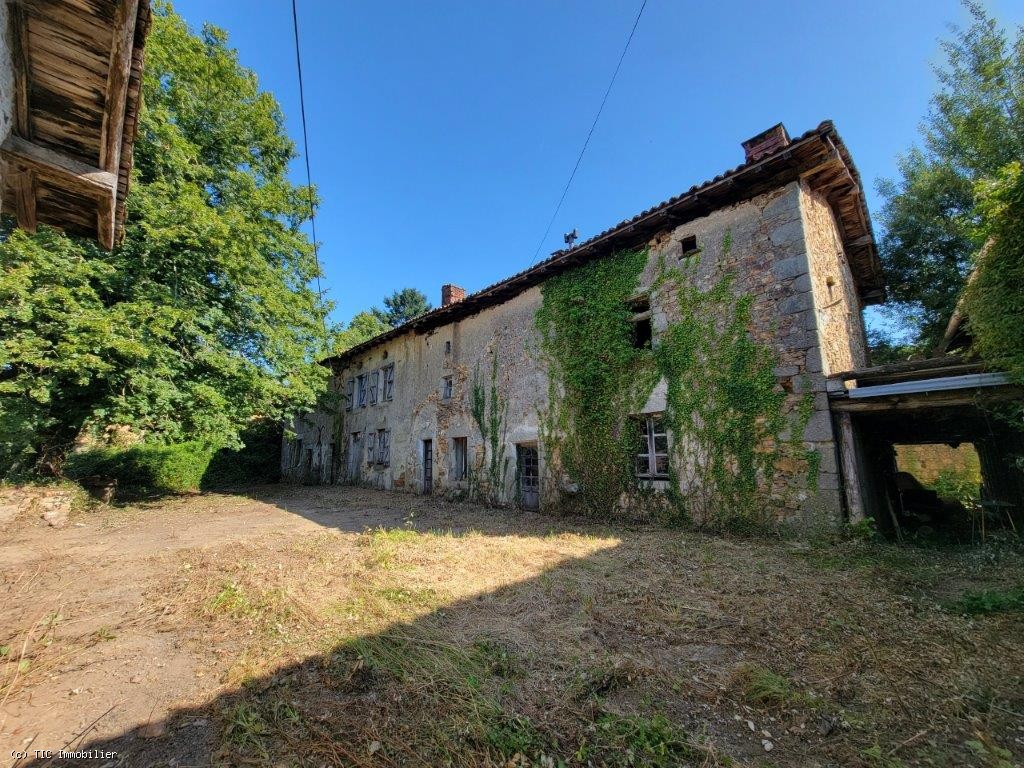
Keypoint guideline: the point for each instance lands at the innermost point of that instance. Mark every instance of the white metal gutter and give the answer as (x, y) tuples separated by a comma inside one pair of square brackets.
[(970, 381)]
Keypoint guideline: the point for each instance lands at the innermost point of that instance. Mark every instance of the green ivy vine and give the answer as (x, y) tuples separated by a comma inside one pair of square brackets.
[(490, 412), (597, 377), (724, 408)]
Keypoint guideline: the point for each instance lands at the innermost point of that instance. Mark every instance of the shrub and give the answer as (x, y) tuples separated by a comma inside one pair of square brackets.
[(991, 601), (145, 469), (257, 461)]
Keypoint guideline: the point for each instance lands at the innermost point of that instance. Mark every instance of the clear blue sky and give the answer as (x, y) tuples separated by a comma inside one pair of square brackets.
[(441, 134)]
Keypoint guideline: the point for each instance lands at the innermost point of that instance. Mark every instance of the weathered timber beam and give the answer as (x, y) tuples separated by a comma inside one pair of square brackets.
[(18, 28), (118, 74), (925, 400), (105, 224), (23, 184), (851, 469), (83, 178), (929, 364)]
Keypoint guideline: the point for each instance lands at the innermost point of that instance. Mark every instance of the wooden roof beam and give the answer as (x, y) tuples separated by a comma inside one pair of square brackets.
[(117, 84), (82, 177), (18, 25), (31, 160)]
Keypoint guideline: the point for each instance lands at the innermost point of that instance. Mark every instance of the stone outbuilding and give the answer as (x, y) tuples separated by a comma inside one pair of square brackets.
[(790, 223)]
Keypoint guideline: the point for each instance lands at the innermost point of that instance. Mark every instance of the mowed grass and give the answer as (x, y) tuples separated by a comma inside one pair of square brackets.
[(523, 640)]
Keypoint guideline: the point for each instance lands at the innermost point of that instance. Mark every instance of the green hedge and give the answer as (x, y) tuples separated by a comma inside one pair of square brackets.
[(145, 468), (258, 462)]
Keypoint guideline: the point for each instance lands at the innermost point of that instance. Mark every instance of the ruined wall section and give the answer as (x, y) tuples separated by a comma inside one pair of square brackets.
[(836, 303)]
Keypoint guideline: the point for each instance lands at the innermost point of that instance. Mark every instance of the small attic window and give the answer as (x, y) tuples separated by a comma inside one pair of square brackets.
[(688, 245), (448, 347)]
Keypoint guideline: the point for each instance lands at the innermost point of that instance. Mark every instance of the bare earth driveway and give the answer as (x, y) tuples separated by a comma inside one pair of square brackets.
[(338, 626)]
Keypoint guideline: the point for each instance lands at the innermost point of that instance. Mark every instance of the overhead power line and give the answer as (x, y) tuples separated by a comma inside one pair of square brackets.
[(309, 177), (590, 133)]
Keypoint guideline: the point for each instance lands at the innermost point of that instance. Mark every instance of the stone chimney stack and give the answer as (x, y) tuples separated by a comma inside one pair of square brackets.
[(451, 294), (766, 142)]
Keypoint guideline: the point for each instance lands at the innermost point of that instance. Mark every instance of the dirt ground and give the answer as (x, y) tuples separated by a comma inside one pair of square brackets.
[(339, 626)]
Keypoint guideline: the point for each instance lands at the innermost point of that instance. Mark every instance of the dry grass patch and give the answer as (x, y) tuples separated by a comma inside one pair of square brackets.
[(473, 637)]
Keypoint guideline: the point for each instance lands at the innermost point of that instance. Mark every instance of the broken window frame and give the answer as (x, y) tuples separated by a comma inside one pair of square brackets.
[(643, 328), (361, 390), (460, 458), (374, 380), (388, 382), (447, 388), (652, 427), (350, 392), (384, 447)]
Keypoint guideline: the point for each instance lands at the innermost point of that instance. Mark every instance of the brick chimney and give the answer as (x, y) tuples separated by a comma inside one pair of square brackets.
[(766, 142), (451, 294)]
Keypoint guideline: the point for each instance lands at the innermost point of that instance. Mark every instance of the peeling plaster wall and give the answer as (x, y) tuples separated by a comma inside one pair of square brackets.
[(838, 308), (418, 412), (775, 239)]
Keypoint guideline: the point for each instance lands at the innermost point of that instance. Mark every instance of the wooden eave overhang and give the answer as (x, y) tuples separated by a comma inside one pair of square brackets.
[(78, 76), (818, 157)]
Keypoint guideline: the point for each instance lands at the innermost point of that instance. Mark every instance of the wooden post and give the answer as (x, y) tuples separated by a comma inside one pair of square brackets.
[(851, 470), (24, 185), (118, 75)]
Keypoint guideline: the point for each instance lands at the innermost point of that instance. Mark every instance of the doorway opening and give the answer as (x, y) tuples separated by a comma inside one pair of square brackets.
[(528, 475), (428, 466)]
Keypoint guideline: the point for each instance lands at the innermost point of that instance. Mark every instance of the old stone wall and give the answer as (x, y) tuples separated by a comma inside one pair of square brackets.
[(763, 243), (777, 245), (836, 304), (465, 351)]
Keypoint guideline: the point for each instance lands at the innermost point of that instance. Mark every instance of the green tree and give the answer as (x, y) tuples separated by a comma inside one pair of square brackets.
[(995, 295), (204, 316), (363, 327), (402, 306), (930, 219)]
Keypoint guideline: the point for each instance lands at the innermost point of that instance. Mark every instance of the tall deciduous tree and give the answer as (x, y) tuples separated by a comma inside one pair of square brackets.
[(204, 316), (930, 218)]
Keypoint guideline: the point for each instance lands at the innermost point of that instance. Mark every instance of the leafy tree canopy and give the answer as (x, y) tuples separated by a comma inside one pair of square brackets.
[(930, 219), (402, 306), (995, 295), (363, 327), (203, 318)]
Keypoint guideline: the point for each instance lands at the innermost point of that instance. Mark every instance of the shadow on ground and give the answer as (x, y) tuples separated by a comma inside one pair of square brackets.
[(652, 647)]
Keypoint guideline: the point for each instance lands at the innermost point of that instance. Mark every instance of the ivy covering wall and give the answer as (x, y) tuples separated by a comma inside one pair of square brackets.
[(725, 411)]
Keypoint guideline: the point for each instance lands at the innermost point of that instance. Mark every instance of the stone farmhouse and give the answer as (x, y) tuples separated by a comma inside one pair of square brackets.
[(792, 226)]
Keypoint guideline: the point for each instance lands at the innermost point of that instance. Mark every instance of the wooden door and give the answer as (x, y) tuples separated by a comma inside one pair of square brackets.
[(355, 456), (428, 466), (528, 470)]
